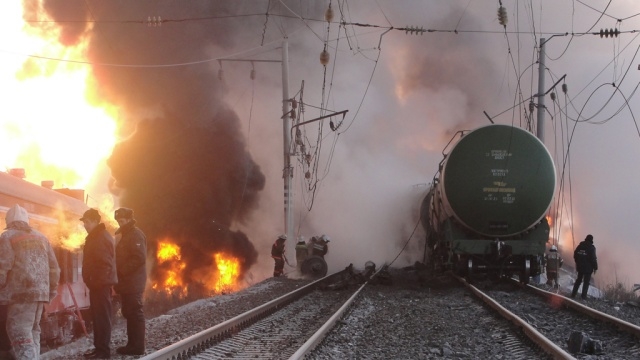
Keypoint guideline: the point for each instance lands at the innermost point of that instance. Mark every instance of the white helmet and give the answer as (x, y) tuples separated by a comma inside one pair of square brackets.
[(553, 248), (283, 237)]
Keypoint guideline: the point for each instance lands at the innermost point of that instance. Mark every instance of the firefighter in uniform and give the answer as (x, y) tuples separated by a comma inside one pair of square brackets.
[(554, 263), (302, 252), (29, 276), (319, 246), (277, 253)]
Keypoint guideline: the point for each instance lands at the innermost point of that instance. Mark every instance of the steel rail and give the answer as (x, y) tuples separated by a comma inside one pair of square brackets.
[(545, 344), (621, 324), (197, 343), (319, 335)]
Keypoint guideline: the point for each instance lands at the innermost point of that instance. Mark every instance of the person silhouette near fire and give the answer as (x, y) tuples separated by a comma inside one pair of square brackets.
[(277, 253)]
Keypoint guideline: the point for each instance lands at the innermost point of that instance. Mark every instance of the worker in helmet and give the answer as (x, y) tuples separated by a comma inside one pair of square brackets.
[(302, 252), (277, 253), (554, 263), (320, 247)]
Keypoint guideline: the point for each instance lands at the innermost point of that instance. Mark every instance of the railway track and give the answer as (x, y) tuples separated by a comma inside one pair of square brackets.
[(432, 319), (286, 327), (550, 320)]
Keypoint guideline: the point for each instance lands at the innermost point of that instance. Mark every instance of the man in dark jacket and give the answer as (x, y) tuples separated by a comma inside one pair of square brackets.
[(586, 263), (99, 274), (131, 256)]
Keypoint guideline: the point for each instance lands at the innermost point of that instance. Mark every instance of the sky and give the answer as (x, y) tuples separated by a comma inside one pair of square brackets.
[(407, 92)]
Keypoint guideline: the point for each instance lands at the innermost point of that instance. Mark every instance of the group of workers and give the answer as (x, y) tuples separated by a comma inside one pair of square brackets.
[(317, 246), (120, 264), (584, 257), (29, 276), (586, 261)]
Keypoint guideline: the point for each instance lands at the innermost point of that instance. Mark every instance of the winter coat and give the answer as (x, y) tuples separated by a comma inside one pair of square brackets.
[(131, 257), (585, 257), (29, 269), (98, 262)]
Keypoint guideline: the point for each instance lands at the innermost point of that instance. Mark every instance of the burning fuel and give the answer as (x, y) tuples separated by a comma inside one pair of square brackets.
[(173, 279)]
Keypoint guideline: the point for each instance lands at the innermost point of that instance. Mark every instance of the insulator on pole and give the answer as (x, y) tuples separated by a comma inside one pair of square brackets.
[(414, 30), (553, 96), (294, 104), (324, 57), (328, 15), (502, 16), (609, 32), (564, 88), (532, 106), (153, 21)]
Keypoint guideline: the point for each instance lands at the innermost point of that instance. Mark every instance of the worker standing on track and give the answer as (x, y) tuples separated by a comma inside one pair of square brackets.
[(302, 252), (554, 263), (277, 253), (586, 263)]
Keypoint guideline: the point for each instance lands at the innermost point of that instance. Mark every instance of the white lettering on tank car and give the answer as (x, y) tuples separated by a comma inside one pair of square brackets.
[(500, 172), (499, 154)]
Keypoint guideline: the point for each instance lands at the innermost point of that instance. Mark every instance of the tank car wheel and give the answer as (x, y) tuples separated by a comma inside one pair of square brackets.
[(315, 266), (471, 276), (526, 272)]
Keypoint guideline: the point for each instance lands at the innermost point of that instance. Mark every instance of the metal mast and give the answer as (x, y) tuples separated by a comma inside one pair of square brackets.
[(541, 107), (287, 172)]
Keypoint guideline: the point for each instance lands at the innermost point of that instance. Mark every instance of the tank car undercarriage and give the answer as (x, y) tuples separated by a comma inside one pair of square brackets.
[(454, 250)]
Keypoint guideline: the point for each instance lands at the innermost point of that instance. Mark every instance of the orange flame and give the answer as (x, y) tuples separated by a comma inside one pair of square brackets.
[(228, 270), (53, 125), (171, 266)]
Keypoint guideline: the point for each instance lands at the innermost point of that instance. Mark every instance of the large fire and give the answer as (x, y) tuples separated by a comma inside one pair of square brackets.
[(56, 127), (220, 278), (51, 121)]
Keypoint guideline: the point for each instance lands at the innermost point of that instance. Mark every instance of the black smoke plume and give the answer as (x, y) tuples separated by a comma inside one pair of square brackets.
[(184, 167)]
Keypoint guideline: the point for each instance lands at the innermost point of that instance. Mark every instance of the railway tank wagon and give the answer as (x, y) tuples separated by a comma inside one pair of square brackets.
[(485, 211), (55, 213)]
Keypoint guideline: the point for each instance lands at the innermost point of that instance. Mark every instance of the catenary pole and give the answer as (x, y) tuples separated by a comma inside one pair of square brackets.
[(541, 107), (287, 172)]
